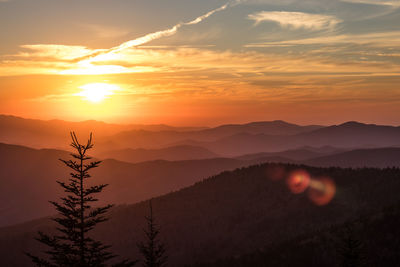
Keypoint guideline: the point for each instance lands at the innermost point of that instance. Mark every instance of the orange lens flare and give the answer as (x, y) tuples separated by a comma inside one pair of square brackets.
[(322, 191), (298, 181)]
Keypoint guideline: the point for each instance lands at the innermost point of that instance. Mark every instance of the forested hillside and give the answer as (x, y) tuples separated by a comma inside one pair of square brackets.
[(235, 213)]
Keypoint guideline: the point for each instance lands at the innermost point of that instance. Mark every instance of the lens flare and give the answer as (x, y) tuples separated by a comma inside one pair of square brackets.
[(298, 181), (322, 191)]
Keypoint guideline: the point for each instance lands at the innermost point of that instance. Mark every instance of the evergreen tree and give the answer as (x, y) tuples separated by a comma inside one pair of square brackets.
[(73, 246), (351, 249), (153, 250)]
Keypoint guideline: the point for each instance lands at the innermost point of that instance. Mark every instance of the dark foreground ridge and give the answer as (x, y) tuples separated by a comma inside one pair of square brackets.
[(240, 212)]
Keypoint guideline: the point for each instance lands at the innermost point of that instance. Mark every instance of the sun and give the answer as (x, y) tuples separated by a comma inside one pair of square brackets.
[(97, 92)]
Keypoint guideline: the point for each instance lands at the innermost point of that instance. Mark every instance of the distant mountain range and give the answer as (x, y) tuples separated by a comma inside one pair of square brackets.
[(38, 170), (359, 158), (277, 127), (293, 154), (204, 138), (28, 179), (345, 136), (234, 140), (173, 153), (232, 214), (55, 133)]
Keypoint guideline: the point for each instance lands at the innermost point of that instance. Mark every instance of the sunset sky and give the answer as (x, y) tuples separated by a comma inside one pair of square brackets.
[(201, 62)]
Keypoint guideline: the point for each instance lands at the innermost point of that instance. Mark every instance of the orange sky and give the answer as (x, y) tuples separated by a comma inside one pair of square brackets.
[(209, 63)]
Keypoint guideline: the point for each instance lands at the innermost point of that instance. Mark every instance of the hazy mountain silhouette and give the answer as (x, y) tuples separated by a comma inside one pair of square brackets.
[(357, 158), (349, 135), (277, 127), (147, 139), (322, 149), (173, 153), (54, 133), (295, 154), (38, 170), (231, 214), (353, 134), (26, 181), (378, 158), (225, 140)]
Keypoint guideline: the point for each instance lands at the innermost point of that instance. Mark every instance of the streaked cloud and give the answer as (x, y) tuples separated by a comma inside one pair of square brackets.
[(183, 59), (375, 2), (296, 20), (56, 51), (83, 60), (378, 39), (164, 33)]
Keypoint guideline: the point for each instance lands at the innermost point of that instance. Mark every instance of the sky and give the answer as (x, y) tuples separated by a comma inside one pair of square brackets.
[(208, 62)]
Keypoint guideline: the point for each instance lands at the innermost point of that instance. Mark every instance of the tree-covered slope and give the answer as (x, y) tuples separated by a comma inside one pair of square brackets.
[(232, 214)]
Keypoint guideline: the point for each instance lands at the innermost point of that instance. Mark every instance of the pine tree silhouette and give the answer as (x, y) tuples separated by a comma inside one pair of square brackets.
[(73, 246), (351, 249), (153, 250)]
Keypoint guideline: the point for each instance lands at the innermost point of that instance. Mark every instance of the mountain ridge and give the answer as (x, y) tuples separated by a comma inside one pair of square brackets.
[(196, 224)]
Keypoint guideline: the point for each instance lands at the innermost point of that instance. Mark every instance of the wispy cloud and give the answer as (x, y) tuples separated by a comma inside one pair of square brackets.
[(375, 2), (55, 51), (296, 20), (82, 60), (379, 39), (159, 34), (63, 59)]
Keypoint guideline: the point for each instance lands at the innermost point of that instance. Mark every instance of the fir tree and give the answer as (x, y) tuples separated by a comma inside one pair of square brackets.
[(72, 245), (351, 249), (153, 250)]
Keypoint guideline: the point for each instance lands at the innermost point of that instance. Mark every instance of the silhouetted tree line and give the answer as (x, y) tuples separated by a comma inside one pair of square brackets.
[(73, 246), (370, 240)]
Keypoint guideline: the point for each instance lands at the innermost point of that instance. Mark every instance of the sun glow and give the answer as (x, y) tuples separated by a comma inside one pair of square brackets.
[(97, 92)]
